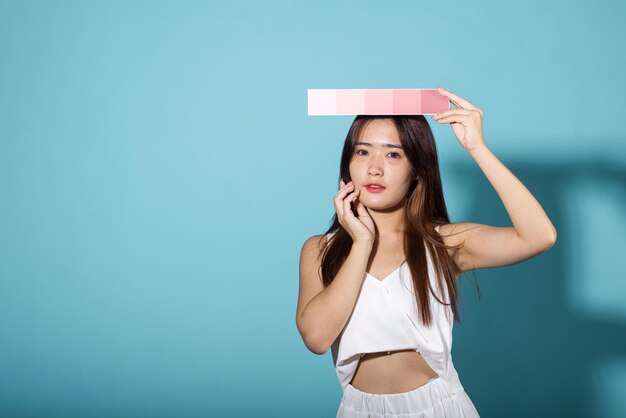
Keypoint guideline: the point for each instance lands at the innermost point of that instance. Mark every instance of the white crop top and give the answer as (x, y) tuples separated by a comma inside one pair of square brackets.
[(385, 318)]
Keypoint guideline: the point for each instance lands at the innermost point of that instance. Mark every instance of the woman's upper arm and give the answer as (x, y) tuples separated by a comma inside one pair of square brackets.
[(311, 283), (485, 246)]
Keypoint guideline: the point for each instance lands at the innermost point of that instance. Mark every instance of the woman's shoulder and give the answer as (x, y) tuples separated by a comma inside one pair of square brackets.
[(314, 240), (311, 249), (321, 240), (317, 241), (450, 228), (449, 233)]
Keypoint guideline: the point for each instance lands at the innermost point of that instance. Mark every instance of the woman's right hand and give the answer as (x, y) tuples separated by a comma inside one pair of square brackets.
[(360, 228)]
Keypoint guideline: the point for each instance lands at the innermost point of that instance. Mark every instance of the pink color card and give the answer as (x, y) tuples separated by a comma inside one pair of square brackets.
[(376, 102)]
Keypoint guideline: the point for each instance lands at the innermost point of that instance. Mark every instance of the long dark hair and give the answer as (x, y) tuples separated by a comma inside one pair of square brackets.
[(425, 209)]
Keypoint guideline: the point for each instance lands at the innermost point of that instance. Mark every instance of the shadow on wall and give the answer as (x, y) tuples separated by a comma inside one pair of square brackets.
[(531, 347)]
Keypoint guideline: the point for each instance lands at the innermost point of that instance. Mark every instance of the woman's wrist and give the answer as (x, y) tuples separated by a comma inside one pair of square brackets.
[(364, 246)]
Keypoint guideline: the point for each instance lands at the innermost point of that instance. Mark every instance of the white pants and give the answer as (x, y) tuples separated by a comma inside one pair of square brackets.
[(430, 400)]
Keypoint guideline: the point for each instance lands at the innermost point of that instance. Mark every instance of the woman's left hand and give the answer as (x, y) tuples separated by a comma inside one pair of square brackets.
[(466, 120)]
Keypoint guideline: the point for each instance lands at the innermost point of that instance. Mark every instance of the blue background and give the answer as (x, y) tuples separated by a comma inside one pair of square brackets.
[(159, 174)]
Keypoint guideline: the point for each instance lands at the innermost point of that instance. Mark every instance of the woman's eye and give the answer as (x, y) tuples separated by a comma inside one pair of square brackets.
[(391, 153)]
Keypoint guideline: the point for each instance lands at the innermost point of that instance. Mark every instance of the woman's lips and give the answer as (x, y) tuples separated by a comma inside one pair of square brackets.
[(374, 189)]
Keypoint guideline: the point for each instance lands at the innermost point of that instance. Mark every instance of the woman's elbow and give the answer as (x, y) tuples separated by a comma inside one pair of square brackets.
[(552, 237), (550, 240), (312, 341), (316, 345)]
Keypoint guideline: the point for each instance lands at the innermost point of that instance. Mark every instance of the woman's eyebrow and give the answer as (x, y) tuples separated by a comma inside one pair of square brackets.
[(387, 145)]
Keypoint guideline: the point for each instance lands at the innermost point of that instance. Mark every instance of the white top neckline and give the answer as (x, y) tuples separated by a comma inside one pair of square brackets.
[(389, 276)]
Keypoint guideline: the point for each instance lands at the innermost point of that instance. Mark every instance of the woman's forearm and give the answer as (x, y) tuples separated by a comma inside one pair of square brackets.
[(528, 217), (327, 313)]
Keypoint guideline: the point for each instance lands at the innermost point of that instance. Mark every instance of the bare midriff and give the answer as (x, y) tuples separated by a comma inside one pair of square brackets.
[(396, 372)]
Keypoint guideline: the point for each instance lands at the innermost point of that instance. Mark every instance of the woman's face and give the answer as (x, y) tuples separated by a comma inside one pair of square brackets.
[(378, 157)]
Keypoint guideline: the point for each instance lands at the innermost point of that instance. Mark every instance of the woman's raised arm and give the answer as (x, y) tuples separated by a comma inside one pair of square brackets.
[(487, 246)]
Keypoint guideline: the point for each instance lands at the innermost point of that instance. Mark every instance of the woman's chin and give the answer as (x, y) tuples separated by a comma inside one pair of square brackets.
[(381, 205), (375, 205)]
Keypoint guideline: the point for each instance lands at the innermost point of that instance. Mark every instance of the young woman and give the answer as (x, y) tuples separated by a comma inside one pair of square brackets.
[(380, 287)]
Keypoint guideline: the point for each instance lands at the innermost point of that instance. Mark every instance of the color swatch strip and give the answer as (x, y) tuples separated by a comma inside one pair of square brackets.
[(376, 102)]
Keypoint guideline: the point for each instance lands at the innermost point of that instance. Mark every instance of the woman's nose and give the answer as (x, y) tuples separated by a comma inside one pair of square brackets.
[(375, 164)]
